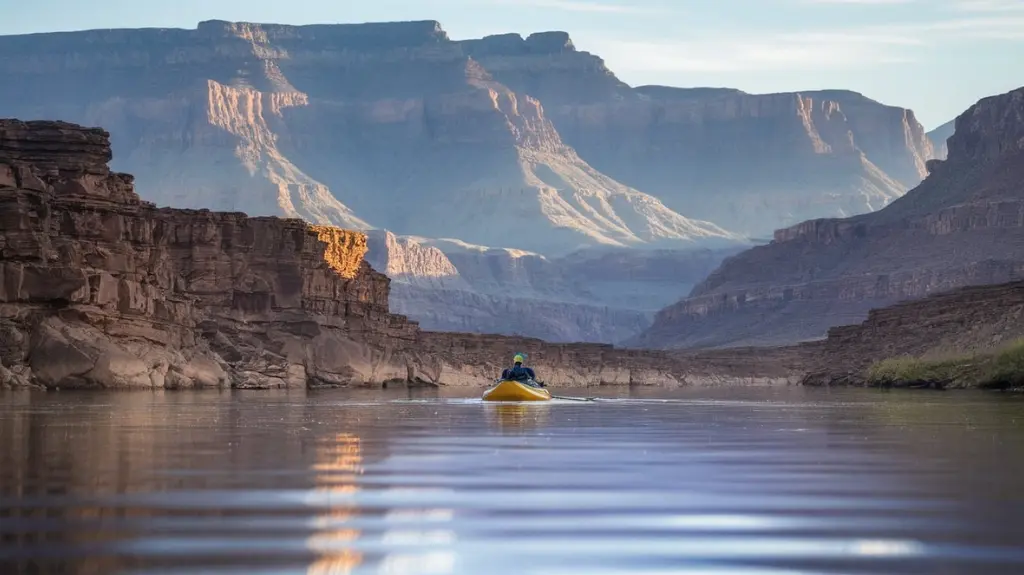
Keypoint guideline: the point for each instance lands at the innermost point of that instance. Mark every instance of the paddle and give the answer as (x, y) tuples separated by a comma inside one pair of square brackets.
[(574, 398), (567, 397)]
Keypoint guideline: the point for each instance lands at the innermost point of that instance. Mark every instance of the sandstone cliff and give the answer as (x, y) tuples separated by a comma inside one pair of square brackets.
[(964, 225), (388, 125), (99, 289)]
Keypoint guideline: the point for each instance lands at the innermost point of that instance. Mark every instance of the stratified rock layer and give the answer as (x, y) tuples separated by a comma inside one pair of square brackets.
[(748, 162), (961, 321), (510, 141), (506, 141), (388, 125), (99, 289), (964, 225)]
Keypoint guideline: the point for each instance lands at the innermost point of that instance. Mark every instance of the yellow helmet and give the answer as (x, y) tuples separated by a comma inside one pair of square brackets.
[(518, 358)]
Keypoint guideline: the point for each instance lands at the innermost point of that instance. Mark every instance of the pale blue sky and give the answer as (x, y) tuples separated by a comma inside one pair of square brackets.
[(935, 56)]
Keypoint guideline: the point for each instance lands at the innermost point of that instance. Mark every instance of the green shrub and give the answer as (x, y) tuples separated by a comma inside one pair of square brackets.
[(912, 370), (1000, 368), (1005, 368)]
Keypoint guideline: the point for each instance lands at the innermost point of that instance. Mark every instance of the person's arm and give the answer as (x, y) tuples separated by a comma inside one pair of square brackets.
[(529, 372)]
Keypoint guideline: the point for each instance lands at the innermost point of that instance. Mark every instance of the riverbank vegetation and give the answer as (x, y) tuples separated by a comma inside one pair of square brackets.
[(1000, 368)]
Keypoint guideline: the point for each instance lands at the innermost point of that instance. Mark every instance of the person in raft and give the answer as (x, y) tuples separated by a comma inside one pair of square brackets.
[(519, 372)]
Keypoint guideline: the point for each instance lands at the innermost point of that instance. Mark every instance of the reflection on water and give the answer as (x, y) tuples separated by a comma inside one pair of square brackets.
[(330, 483), (338, 463), (517, 417)]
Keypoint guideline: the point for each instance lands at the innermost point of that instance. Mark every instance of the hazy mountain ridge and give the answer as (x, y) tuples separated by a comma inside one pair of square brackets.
[(592, 295)]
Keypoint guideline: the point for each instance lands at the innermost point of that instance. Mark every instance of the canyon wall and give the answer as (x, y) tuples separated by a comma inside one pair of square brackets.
[(748, 162), (379, 125), (525, 144), (964, 225), (99, 289), (963, 320)]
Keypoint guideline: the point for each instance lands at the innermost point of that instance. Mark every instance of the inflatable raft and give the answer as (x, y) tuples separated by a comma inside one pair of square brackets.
[(508, 390)]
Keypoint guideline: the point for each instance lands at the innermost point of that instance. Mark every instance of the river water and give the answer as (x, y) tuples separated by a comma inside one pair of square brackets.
[(746, 481)]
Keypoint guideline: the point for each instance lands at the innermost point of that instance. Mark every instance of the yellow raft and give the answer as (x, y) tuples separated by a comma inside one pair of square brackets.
[(508, 390)]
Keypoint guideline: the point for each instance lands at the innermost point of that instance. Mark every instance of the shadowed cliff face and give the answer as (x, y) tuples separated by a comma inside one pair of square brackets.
[(99, 289), (939, 135), (964, 225), (389, 125)]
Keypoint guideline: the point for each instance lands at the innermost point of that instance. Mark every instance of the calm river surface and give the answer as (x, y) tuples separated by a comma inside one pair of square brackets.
[(403, 482)]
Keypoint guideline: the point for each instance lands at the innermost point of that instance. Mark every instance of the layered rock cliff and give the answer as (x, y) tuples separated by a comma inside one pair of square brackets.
[(964, 225), (99, 289), (516, 142), (750, 163), (968, 320), (521, 143), (389, 125)]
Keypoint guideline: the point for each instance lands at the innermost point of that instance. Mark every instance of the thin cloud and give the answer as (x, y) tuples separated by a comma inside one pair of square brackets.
[(864, 2), (1005, 27), (988, 5), (578, 6), (777, 53), (825, 50)]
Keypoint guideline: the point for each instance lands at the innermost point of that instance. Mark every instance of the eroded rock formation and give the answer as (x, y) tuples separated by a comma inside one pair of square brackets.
[(748, 162), (332, 123), (520, 143), (964, 225), (389, 125), (101, 289)]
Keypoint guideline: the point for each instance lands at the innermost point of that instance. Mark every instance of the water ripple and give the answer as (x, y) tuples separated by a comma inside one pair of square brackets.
[(763, 482)]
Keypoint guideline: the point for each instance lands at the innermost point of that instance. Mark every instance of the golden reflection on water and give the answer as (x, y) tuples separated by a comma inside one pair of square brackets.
[(517, 416), (338, 466)]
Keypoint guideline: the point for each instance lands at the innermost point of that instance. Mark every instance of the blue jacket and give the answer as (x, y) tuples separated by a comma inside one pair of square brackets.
[(518, 372)]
